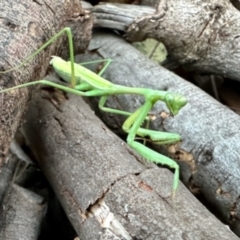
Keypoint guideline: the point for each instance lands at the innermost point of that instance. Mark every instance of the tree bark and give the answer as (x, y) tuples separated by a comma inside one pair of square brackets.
[(25, 26), (21, 214), (102, 184), (209, 150), (202, 36)]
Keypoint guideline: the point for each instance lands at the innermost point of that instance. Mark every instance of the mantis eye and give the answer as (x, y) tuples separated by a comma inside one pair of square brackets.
[(175, 102)]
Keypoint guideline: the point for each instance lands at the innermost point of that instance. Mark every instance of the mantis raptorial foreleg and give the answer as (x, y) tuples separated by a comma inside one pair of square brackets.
[(132, 126), (86, 83)]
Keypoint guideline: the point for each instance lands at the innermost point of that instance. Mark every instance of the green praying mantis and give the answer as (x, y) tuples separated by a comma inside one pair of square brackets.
[(86, 83)]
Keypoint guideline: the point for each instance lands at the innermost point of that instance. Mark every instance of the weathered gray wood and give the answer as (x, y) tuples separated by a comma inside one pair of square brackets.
[(7, 173), (210, 148), (108, 15), (25, 26), (101, 184), (14, 171), (202, 36), (21, 214)]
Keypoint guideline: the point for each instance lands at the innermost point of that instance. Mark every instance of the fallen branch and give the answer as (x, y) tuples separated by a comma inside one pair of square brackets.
[(101, 184), (201, 36)]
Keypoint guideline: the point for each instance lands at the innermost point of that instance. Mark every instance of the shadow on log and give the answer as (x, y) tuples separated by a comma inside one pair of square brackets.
[(24, 27), (102, 184)]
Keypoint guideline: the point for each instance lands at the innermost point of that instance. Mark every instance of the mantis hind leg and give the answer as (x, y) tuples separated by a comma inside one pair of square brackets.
[(87, 93)]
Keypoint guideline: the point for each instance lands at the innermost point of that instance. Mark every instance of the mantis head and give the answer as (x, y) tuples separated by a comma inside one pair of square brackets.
[(175, 102)]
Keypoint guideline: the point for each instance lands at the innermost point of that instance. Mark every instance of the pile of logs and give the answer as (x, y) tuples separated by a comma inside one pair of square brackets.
[(106, 189)]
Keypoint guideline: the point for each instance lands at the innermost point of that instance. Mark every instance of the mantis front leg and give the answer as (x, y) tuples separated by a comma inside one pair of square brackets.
[(132, 127)]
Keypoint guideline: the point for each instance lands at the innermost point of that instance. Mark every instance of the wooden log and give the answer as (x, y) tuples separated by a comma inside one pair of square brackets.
[(102, 184), (21, 171), (209, 152), (15, 169), (21, 214), (200, 36), (7, 174), (25, 26)]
